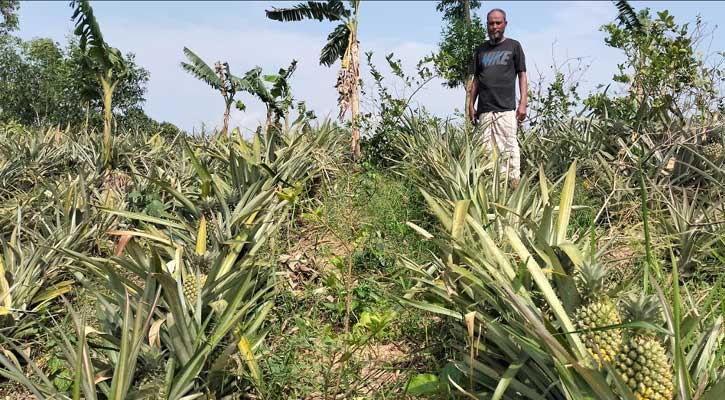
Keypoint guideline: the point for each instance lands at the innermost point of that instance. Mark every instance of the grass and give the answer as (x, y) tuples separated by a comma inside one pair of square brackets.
[(358, 221)]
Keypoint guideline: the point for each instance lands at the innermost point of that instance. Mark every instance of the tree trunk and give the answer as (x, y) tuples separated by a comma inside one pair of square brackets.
[(108, 88), (469, 75), (355, 73), (355, 66), (225, 129), (268, 123)]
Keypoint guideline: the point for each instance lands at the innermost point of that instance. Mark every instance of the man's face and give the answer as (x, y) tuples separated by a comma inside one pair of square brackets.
[(496, 27)]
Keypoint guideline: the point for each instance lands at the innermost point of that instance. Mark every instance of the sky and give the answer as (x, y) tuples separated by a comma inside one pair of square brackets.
[(561, 35)]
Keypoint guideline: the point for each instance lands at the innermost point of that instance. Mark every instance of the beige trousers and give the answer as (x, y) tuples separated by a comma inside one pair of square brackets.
[(500, 128)]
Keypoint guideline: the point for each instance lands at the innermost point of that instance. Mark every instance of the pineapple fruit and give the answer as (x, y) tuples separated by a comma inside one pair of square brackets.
[(209, 206), (153, 374), (713, 151), (598, 310), (642, 360), (217, 358), (191, 287)]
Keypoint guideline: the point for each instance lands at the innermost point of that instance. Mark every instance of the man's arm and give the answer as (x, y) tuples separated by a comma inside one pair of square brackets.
[(524, 89), (472, 100)]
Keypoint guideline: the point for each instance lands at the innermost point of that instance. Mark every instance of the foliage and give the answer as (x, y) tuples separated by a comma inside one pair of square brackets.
[(459, 39), (627, 16), (242, 190), (507, 307), (387, 117), (342, 44), (103, 61), (364, 215), (43, 83), (219, 78), (129, 93), (335, 10), (9, 12), (100, 57), (556, 103), (664, 74), (455, 9), (277, 99), (271, 267)]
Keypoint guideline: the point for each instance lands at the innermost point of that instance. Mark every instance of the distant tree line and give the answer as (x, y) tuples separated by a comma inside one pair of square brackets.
[(42, 82)]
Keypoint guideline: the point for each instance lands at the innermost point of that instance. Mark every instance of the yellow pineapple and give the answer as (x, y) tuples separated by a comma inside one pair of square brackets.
[(712, 151), (192, 287), (598, 310), (642, 360)]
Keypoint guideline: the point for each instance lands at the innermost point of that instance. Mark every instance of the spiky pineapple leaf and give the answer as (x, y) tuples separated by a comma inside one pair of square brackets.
[(248, 355), (204, 174), (142, 217), (567, 198), (545, 287), (430, 307)]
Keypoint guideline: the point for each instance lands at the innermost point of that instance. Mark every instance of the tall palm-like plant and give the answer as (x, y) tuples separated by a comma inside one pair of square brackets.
[(626, 15), (106, 62), (341, 44), (219, 78), (278, 98)]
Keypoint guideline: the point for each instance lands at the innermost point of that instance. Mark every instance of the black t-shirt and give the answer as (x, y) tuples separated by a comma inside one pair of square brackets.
[(496, 67)]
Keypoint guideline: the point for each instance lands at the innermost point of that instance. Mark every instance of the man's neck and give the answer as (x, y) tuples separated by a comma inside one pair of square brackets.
[(499, 42)]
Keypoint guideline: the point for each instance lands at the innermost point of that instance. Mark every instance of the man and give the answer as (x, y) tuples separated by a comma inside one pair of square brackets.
[(497, 63)]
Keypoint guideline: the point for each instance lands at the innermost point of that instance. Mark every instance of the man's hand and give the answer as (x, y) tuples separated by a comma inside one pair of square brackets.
[(472, 115), (521, 113)]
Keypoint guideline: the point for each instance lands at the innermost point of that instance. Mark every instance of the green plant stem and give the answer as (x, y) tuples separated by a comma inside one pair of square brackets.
[(650, 263)]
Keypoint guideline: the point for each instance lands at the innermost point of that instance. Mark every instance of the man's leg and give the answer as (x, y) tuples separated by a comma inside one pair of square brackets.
[(504, 132), (509, 128), (485, 127)]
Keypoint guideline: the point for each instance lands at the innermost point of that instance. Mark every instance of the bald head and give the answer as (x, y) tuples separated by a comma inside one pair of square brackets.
[(496, 25), (496, 10)]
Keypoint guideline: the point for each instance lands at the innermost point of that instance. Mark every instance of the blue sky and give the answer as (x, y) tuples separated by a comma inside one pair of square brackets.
[(238, 32)]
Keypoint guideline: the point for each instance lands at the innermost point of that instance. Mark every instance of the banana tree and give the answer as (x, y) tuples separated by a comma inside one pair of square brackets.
[(104, 61), (341, 44), (219, 78), (278, 98)]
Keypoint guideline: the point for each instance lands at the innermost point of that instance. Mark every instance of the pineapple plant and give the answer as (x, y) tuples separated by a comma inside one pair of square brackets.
[(221, 354), (209, 205), (152, 375), (642, 361), (598, 310), (201, 262)]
